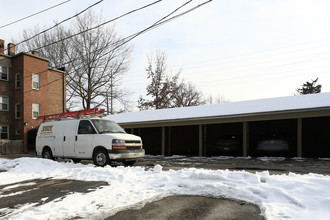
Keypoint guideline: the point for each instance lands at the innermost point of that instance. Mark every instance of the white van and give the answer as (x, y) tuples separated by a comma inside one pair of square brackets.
[(99, 139)]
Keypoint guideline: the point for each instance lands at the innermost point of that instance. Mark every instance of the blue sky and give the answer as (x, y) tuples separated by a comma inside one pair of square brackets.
[(238, 49)]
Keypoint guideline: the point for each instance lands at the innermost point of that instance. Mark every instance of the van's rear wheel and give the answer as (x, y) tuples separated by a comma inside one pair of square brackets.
[(76, 160), (47, 154), (101, 158)]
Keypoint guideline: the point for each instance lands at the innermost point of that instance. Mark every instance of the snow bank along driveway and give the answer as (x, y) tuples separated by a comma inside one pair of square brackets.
[(279, 196)]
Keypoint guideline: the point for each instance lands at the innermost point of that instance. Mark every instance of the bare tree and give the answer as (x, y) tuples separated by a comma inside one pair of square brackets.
[(216, 100), (167, 91), (95, 59), (54, 51), (309, 88), (188, 95), (161, 85)]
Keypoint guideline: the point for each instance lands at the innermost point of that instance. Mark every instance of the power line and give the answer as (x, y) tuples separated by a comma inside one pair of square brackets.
[(125, 40), (251, 61), (57, 24), (132, 11), (34, 14), (63, 64), (158, 23), (95, 27), (129, 38), (154, 25)]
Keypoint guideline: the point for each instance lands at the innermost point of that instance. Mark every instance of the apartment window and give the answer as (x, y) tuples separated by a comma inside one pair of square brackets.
[(4, 132), (17, 81), (35, 81), (18, 132), (3, 73), (17, 111), (35, 111), (4, 103)]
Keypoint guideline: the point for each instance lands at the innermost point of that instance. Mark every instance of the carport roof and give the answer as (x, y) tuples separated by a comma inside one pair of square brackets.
[(234, 109)]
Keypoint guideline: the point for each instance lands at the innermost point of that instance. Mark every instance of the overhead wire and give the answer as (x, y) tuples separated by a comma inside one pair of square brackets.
[(57, 24), (156, 24), (221, 62), (97, 26), (34, 14), (125, 40), (59, 66), (159, 24), (219, 76)]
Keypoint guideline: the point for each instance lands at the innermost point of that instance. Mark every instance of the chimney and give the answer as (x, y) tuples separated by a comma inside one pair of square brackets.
[(2, 46), (62, 69), (35, 53), (11, 49)]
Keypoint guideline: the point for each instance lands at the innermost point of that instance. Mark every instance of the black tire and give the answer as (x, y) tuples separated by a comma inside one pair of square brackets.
[(129, 163), (47, 154), (75, 160), (101, 158)]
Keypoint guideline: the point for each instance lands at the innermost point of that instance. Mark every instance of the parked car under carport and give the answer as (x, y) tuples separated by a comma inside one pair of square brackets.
[(274, 144), (228, 145)]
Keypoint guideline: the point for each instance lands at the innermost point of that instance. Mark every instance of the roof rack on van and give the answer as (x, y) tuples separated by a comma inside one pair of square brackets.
[(75, 114)]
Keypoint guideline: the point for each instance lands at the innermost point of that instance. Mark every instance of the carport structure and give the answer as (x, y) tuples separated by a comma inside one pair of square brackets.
[(303, 120)]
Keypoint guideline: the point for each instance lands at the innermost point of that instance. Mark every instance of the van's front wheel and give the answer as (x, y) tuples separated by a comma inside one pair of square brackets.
[(101, 158), (47, 154)]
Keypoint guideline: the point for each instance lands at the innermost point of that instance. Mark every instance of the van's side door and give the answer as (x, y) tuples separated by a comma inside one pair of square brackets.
[(58, 138), (68, 138), (84, 139)]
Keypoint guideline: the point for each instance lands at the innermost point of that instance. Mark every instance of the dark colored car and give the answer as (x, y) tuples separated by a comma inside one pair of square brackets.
[(273, 143), (228, 145)]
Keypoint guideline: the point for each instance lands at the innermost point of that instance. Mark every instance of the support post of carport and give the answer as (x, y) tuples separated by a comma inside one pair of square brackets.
[(299, 137), (163, 141), (245, 138), (200, 140)]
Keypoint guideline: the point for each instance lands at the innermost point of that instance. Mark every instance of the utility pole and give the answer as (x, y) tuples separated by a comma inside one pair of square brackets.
[(107, 101), (111, 95)]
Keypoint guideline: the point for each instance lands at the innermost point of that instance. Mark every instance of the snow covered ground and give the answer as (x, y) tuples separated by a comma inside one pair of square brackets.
[(291, 196)]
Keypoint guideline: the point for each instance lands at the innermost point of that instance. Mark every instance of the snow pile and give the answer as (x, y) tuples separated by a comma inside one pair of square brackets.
[(279, 196)]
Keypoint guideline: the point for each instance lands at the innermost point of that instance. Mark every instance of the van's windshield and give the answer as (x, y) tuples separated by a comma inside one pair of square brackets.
[(106, 126)]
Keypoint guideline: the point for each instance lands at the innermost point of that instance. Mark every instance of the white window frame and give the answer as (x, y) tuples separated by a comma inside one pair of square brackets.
[(2, 72), (18, 110), (35, 109), (35, 81), (1, 103), (7, 128), (17, 81), (18, 132)]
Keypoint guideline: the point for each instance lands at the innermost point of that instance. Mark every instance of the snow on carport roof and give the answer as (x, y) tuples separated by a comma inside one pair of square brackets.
[(300, 102)]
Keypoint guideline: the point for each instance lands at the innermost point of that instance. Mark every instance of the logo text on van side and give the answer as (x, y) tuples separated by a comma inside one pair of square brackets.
[(47, 129)]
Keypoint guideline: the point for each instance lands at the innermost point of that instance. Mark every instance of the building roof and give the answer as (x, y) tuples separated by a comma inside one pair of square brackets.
[(233, 109)]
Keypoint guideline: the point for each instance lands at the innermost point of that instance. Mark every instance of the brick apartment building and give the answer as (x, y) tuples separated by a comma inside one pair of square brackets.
[(28, 88)]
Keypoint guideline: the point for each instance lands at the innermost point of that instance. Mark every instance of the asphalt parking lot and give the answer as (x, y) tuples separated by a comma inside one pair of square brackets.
[(40, 191), (174, 207), (192, 207), (275, 165)]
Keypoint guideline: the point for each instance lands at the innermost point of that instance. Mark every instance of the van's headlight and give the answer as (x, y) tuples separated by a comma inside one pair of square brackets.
[(118, 144)]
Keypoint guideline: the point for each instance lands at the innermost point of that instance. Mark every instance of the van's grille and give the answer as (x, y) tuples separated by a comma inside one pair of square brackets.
[(133, 147), (133, 144)]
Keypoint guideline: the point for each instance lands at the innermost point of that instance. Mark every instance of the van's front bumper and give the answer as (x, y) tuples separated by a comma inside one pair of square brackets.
[(126, 154)]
